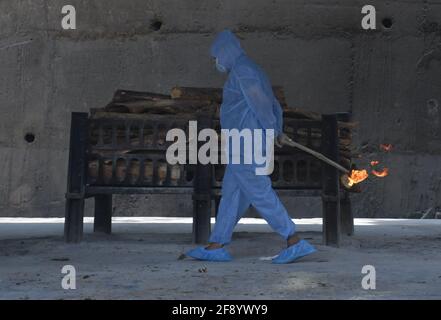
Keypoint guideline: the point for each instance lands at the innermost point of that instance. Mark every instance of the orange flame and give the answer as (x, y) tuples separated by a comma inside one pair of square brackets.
[(374, 163), (386, 147), (382, 173), (357, 176)]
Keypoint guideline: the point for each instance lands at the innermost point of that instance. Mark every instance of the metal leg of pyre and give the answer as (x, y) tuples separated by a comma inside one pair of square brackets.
[(217, 200), (103, 213), (73, 225), (75, 195), (202, 197), (347, 218), (331, 180)]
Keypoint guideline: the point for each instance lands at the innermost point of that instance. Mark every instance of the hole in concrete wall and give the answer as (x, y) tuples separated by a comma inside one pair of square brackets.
[(387, 23), (156, 25), (432, 108), (432, 104), (29, 137)]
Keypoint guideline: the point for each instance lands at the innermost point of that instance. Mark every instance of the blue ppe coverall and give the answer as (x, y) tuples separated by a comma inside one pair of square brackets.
[(248, 103)]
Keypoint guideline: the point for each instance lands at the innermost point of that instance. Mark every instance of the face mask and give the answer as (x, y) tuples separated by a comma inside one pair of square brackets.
[(220, 67)]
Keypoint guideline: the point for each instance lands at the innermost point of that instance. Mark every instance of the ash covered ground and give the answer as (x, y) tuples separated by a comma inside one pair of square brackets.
[(142, 259)]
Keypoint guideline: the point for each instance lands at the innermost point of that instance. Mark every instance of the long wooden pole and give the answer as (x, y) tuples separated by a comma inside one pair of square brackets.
[(288, 141)]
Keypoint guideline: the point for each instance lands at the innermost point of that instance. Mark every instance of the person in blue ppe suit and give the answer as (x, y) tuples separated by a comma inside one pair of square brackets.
[(248, 103)]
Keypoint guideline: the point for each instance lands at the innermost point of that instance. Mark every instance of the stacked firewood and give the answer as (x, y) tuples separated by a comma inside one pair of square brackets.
[(182, 100), (191, 101)]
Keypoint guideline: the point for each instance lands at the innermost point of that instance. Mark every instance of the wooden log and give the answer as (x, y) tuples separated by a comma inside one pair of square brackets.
[(127, 95), (302, 136), (344, 141), (303, 132), (348, 125), (343, 135), (298, 113), (345, 148), (348, 154), (344, 130), (301, 114), (193, 93), (111, 107), (92, 111), (128, 116), (215, 94), (169, 106)]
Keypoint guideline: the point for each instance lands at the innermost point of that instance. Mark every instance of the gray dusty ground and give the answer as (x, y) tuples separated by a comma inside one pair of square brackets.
[(140, 261)]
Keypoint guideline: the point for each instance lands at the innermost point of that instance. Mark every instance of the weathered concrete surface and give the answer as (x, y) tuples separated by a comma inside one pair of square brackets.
[(405, 254), (388, 78)]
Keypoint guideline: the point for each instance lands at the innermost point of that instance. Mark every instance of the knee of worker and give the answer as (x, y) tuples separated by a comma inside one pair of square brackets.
[(229, 181), (256, 188)]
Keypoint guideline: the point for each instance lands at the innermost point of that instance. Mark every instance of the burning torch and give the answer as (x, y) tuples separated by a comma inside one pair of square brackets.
[(348, 178)]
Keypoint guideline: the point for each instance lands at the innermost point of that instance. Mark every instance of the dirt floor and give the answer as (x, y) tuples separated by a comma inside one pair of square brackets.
[(142, 260)]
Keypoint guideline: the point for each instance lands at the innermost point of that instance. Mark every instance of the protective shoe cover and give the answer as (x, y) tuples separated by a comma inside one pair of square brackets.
[(201, 253), (294, 252)]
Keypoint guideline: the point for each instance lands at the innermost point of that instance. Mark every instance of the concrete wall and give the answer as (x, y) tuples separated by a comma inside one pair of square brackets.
[(389, 78)]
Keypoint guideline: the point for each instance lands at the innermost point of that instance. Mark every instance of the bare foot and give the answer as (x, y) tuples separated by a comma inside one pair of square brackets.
[(214, 246), (292, 240)]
